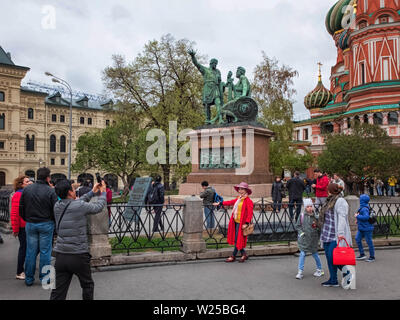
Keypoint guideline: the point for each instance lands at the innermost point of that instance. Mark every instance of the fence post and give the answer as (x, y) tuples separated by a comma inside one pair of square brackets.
[(193, 241), (354, 204), (99, 244)]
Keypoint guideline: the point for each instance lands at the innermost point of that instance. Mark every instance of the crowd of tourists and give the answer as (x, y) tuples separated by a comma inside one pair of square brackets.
[(50, 218), (323, 222), (41, 210)]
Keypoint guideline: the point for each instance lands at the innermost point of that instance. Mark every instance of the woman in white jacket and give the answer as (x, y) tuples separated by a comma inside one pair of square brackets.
[(334, 225)]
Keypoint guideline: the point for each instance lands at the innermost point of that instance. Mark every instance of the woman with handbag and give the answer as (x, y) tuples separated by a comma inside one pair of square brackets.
[(242, 214), (334, 225)]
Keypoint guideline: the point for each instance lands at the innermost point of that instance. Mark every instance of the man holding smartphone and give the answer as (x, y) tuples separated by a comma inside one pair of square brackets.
[(72, 247)]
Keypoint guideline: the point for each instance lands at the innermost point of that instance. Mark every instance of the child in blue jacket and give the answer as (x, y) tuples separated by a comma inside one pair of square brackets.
[(365, 229)]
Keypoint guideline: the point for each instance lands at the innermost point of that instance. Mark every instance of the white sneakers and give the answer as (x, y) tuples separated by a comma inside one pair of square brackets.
[(20, 276), (318, 273)]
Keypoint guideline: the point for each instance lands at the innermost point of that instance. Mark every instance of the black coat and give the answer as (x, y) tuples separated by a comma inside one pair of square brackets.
[(296, 188), (158, 188), (277, 190), (37, 203)]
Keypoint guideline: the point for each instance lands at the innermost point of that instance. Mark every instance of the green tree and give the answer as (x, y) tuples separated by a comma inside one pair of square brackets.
[(160, 85), (366, 152), (273, 90), (119, 149)]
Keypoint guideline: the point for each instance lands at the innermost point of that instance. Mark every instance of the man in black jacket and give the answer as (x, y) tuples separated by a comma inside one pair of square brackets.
[(36, 208), (296, 188), (156, 196)]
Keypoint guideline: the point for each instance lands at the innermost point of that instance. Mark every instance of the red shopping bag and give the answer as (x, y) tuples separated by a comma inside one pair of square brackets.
[(344, 256)]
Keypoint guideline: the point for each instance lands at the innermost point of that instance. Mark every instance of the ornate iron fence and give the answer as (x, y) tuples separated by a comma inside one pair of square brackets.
[(133, 229), (5, 206), (269, 225), (279, 225), (388, 219)]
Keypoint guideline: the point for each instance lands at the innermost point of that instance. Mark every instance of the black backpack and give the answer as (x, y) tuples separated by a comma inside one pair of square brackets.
[(153, 195)]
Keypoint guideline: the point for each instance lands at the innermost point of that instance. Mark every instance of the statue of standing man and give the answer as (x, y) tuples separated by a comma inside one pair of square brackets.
[(212, 90)]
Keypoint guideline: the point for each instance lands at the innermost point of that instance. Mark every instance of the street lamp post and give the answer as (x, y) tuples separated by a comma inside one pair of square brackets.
[(66, 84)]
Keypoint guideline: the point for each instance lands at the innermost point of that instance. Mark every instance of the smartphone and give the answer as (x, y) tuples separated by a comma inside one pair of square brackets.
[(98, 177)]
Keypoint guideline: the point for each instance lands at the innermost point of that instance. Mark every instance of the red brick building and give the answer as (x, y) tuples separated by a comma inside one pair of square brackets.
[(365, 82)]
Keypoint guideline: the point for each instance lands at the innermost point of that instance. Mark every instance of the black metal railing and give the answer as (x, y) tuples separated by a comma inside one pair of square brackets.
[(5, 206), (269, 225), (388, 219), (278, 224), (135, 229)]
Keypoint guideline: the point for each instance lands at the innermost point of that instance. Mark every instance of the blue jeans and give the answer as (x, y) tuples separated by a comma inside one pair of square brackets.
[(391, 191), (328, 247), (368, 238), (302, 259), (379, 190), (209, 216), (39, 238)]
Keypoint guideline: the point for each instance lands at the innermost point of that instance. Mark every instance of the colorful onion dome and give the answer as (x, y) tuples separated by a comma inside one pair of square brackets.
[(335, 15), (320, 96), (343, 41)]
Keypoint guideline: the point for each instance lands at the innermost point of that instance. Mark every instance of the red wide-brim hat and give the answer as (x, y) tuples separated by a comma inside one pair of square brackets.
[(243, 185)]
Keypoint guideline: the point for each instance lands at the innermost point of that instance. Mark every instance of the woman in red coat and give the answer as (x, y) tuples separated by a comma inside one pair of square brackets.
[(242, 214), (18, 225)]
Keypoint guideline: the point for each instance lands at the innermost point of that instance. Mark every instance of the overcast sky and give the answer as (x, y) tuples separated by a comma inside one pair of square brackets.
[(76, 39)]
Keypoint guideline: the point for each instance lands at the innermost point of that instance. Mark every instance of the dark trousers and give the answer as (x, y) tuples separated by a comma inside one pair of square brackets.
[(236, 250), (21, 250), (298, 203), (157, 218), (66, 266)]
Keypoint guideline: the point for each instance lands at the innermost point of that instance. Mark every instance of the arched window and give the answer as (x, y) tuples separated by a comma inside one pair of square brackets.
[(365, 118), (378, 118), (326, 128), (2, 121), (30, 174), (362, 24), (348, 123), (30, 113), (393, 118), (2, 96), (357, 120), (2, 179), (53, 143), (30, 143), (62, 144)]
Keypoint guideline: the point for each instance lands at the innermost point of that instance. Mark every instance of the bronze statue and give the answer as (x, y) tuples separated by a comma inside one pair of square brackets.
[(212, 93)]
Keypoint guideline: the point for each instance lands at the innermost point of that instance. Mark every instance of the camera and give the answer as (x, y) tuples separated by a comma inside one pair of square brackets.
[(99, 178)]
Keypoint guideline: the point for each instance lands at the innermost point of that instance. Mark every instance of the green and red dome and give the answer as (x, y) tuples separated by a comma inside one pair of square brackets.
[(318, 98), (335, 16)]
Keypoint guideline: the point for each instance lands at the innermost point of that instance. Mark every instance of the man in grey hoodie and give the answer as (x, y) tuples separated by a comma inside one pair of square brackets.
[(72, 247)]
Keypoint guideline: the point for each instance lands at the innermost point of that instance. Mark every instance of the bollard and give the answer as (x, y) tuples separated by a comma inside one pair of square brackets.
[(99, 244), (193, 241)]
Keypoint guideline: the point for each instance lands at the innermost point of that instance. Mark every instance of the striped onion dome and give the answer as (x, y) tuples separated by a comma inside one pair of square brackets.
[(335, 15), (319, 97)]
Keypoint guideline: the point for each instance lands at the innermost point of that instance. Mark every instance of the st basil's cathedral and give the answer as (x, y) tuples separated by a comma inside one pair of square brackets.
[(365, 82)]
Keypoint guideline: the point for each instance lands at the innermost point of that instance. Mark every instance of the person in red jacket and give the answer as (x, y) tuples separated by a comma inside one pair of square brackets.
[(18, 224), (242, 214), (321, 187)]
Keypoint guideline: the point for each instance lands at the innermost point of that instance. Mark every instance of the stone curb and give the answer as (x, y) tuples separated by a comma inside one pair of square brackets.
[(157, 258)]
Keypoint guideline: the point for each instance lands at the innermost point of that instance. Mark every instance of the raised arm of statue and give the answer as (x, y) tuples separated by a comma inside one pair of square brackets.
[(192, 53)]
